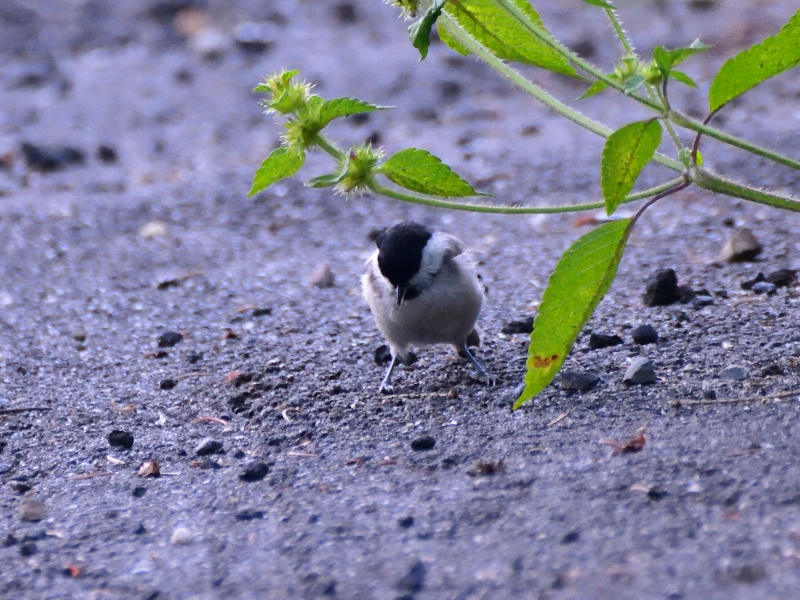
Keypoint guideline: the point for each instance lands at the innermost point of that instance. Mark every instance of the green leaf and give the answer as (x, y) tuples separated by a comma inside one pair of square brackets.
[(602, 3), (597, 87), (281, 163), (666, 59), (682, 77), (420, 171), (633, 83), (625, 154), (450, 40), (420, 32), (756, 64), (581, 279), (508, 38), (344, 107), (324, 180)]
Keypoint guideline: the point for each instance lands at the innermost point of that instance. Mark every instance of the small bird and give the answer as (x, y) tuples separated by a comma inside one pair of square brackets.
[(423, 290)]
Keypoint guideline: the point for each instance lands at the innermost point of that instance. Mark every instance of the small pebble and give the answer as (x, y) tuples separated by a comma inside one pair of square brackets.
[(640, 372), (709, 393), (181, 537), (323, 277), (140, 529), (782, 277), (383, 355), (598, 341), (644, 334), (208, 446), (571, 537), (139, 491), (701, 301), (524, 326), (121, 439), (772, 371), (32, 509), (168, 384), (153, 229), (422, 443), (661, 288), (169, 339), (211, 44), (27, 549), (579, 381), (406, 522), (249, 514), (741, 246), (733, 374), (255, 37), (254, 472), (107, 154), (414, 580), (51, 158), (764, 287)]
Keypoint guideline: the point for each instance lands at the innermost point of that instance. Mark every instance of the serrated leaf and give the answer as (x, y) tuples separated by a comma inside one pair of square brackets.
[(501, 32), (666, 59), (750, 67), (682, 77), (625, 154), (281, 163), (450, 40), (602, 3), (344, 107), (582, 277), (420, 171), (324, 180), (420, 31), (633, 83), (597, 87)]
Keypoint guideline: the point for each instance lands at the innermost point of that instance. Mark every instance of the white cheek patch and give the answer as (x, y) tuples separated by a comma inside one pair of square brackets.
[(432, 256)]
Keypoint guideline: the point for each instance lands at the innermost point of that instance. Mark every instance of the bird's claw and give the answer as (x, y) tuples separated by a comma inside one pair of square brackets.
[(386, 389), (484, 377)]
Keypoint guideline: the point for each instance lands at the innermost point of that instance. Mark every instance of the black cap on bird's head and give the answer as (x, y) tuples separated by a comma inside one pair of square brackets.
[(400, 255)]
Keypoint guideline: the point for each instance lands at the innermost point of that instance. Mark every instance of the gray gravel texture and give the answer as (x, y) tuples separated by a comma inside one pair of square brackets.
[(100, 260)]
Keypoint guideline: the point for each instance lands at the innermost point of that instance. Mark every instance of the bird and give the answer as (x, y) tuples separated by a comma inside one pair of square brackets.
[(422, 290)]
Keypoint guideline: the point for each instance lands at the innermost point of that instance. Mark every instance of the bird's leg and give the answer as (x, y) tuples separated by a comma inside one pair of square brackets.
[(386, 385), (480, 372)]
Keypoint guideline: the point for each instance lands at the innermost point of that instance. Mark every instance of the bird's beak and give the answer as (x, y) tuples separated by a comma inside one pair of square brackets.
[(401, 293)]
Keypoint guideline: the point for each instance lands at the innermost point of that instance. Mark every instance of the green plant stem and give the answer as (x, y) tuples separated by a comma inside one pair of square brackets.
[(678, 118), (689, 123), (320, 141), (512, 210), (623, 38), (708, 180), (535, 91)]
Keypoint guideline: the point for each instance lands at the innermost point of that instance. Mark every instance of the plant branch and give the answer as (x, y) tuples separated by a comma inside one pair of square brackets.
[(623, 38), (320, 141), (689, 123), (507, 209), (708, 180), (535, 91)]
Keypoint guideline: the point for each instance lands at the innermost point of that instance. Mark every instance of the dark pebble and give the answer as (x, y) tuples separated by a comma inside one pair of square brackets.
[(345, 12), (733, 374), (107, 154), (522, 326), (249, 514), (208, 446), (254, 472), (166, 10), (139, 491), (579, 381), (656, 493), (206, 463), (661, 288), (644, 334), (423, 442), (772, 371), (9, 541), (709, 393), (51, 158), (168, 384), (27, 549), (764, 287), (122, 439), (383, 355), (571, 537), (140, 529), (262, 312), (255, 37), (406, 522), (414, 580), (748, 285), (194, 358), (169, 339), (701, 301), (238, 454), (782, 277), (600, 340)]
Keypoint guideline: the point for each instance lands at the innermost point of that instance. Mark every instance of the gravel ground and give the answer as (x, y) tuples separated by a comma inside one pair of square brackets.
[(142, 293)]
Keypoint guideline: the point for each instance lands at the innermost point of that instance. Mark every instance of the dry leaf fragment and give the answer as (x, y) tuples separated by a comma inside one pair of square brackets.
[(635, 444), (150, 469)]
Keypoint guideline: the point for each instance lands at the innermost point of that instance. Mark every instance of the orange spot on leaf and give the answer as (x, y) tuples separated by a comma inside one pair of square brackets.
[(542, 362)]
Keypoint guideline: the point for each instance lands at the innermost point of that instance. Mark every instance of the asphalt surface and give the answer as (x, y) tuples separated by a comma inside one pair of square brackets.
[(318, 490)]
